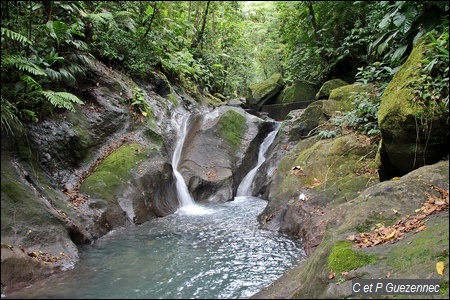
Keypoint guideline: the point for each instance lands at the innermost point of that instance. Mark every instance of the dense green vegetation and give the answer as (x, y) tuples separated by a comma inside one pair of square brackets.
[(211, 46)]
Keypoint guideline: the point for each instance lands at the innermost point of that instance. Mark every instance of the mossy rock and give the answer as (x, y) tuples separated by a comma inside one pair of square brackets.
[(162, 84), (413, 256), (327, 87), (344, 258), (298, 90), (114, 172), (311, 118), (333, 170), (221, 97), (212, 100), (261, 93), (173, 98), (231, 127), (341, 98), (412, 136), (424, 250)]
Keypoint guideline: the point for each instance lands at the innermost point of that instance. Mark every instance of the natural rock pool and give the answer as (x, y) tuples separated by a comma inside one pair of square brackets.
[(212, 250)]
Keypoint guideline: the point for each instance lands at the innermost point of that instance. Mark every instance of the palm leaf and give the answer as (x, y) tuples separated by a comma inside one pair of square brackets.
[(125, 18), (103, 17), (409, 17), (67, 76), (82, 59), (55, 76), (399, 52)]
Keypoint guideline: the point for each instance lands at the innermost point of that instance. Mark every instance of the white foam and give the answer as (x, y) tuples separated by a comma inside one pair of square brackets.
[(194, 209)]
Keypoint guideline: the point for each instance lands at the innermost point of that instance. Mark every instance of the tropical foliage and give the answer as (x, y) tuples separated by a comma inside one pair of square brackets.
[(209, 46)]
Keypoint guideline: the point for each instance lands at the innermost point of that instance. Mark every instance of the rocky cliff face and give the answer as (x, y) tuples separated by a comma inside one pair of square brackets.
[(74, 177)]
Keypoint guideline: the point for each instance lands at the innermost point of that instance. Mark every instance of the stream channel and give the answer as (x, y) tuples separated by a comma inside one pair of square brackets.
[(202, 251)]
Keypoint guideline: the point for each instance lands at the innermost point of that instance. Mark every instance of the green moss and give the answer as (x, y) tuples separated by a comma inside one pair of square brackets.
[(444, 288), (425, 249), (328, 86), (299, 90), (343, 258), (398, 94), (268, 88), (348, 92), (262, 88), (172, 98), (210, 99), (372, 220), (231, 127), (154, 136), (113, 172)]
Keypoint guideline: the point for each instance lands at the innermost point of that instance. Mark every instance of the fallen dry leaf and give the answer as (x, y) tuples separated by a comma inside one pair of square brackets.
[(381, 234), (332, 275), (440, 268)]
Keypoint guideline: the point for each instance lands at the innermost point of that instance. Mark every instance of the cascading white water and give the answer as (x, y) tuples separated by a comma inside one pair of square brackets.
[(184, 197), (245, 187)]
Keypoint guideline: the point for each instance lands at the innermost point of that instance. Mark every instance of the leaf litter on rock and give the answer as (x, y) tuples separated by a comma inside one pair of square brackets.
[(391, 234)]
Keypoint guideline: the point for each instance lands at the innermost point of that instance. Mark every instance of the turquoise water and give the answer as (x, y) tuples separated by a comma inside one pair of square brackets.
[(215, 251)]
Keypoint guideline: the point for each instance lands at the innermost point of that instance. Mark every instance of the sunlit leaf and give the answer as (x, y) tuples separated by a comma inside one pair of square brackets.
[(440, 268)]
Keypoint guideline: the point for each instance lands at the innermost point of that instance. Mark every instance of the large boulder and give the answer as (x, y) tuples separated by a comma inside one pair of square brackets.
[(303, 122), (220, 148), (298, 91), (409, 254), (412, 134), (36, 239), (138, 180), (264, 92), (341, 99), (327, 87), (325, 171)]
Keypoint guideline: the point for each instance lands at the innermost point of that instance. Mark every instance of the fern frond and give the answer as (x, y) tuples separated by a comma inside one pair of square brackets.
[(29, 114), (62, 99), (21, 63), (31, 82), (14, 36), (103, 17), (9, 115)]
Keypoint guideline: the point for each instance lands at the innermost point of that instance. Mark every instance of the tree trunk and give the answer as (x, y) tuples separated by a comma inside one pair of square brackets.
[(199, 39), (151, 21), (313, 22), (47, 5)]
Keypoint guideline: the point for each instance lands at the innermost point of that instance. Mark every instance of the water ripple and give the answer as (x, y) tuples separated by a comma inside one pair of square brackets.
[(207, 251)]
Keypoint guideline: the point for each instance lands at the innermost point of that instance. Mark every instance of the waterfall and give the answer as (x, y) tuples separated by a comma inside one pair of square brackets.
[(245, 187), (184, 197)]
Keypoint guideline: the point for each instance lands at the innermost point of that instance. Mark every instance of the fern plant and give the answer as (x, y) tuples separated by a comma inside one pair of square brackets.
[(26, 80)]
